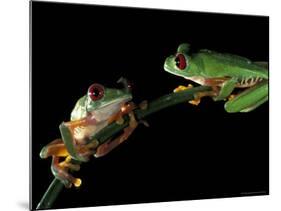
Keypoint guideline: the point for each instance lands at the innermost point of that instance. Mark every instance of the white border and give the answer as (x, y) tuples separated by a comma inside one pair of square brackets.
[(14, 89)]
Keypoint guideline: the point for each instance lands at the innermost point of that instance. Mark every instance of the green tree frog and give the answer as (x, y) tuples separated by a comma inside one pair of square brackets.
[(92, 112), (224, 73)]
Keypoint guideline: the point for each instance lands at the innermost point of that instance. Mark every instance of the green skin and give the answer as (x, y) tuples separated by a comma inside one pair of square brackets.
[(224, 72)]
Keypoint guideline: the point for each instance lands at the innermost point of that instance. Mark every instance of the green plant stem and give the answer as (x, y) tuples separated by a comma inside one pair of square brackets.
[(50, 195), (102, 136)]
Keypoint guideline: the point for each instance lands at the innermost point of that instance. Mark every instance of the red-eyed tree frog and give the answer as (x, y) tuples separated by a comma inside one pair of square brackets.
[(92, 112), (224, 73)]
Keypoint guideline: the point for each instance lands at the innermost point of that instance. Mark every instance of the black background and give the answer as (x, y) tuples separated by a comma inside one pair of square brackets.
[(187, 152)]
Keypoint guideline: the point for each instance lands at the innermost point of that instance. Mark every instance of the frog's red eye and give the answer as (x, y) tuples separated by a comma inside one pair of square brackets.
[(96, 92), (180, 61)]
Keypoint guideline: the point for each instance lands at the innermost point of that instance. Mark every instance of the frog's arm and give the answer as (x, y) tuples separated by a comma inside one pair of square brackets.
[(226, 89), (216, 93)]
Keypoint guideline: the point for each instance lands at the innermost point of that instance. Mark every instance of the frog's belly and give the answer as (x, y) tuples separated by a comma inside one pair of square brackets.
[(82, 133)]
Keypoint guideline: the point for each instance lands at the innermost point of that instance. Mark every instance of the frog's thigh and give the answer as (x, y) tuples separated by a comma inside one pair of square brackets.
[(249, 99)]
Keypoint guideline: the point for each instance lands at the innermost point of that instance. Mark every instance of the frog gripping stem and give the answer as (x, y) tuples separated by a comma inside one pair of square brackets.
[(113, 128)]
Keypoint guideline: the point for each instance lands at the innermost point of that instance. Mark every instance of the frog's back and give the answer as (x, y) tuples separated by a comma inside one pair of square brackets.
[(223, 65)]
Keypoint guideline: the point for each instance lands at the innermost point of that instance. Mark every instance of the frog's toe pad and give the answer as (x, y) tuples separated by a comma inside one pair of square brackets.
[(77, 182), (195, 102), (231, 97)]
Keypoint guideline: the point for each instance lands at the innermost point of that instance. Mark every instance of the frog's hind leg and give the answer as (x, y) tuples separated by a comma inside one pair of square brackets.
[(251, 108), (57, 150), (111, 144), (249, 99)]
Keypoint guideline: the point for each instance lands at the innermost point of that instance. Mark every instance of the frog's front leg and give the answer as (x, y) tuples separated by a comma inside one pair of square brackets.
[(125, 109), (249, 99), (199, 95), (111, 144), (226, 89)]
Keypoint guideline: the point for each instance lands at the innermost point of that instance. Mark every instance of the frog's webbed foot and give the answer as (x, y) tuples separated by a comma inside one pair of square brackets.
[(105, 148), (182, 88), (189, 86), (197, 96), (61, 171), (125, 109), (57, 150)]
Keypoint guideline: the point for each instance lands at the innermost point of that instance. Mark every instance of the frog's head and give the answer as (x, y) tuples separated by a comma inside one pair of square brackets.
[(99, 97), (180, 64), (100, 101)]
